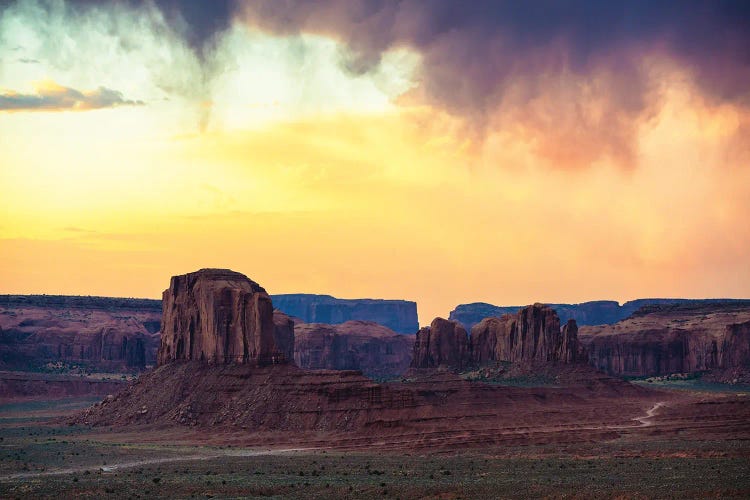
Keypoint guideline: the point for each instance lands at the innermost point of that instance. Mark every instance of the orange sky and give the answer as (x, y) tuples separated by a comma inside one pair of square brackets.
[(309, 178)]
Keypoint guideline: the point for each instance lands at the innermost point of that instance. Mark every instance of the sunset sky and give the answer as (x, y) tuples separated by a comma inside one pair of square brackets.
[(438, 151)]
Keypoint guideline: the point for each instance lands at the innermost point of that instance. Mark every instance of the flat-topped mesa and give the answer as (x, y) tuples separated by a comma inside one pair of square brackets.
[(533, 335), (443, 343), (221, 316)]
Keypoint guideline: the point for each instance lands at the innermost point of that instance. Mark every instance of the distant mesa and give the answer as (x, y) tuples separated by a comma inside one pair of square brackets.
[(54, 332), (398, 315), (220, 316), (529, 337), (600, 312), (685, 338)]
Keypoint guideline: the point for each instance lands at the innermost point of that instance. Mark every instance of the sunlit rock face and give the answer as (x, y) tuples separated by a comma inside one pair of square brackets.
[(220, 316)]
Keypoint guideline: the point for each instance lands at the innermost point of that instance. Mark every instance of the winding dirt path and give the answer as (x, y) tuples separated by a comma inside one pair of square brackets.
[(646, 420), (152, 461)]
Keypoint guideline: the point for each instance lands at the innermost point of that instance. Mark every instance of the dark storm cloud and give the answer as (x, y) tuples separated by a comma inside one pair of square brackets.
[(57, 98), (484, 58), (198, 21), (492, 38)]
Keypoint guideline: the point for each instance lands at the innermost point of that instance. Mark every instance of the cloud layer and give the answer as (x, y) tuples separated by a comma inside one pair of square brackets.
[(50, 96), (570, 74)]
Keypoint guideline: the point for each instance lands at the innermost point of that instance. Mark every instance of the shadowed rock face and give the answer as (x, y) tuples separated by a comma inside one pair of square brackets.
[(398, 315), (220, 316), (93, 332), (682, 338), (443, 343), (531, 336), (376, 350)]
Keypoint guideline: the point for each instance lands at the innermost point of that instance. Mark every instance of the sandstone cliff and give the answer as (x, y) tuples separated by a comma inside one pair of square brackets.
[(532, 336), (398, 315), (374, 349), (94, 333), (683, 338), (220, 316), (443, 343)]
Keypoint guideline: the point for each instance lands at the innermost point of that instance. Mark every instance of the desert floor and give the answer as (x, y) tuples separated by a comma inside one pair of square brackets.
[(693, 442)]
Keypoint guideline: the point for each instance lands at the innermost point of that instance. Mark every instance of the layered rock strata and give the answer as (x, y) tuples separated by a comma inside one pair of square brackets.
[(662, 340), (221, 316), (531, 336)]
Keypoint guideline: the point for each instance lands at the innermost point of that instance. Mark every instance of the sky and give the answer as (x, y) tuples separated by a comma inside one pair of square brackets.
[(438, 151)]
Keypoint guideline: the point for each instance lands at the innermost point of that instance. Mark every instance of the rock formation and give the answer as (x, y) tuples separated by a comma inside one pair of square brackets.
[(598, 312), (666, 339), (116, 335), (443, 343), (220, 316), (398, 315), (374, 349), (532, 336)]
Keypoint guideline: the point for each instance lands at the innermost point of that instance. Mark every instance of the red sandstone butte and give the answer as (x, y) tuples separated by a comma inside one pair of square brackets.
[(221, 316)]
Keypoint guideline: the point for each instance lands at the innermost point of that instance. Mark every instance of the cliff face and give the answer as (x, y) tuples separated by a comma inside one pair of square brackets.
[(660, 340), (443, 343), (398, 315), (598, 312), (531, 336), (100, 335), (374, 349), (220, 316)]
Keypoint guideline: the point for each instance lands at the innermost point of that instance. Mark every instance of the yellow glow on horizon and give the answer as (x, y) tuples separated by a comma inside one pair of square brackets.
[(311, 179)]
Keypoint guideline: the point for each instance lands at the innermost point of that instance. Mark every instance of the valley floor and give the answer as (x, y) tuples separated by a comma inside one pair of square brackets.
[(684, 444)]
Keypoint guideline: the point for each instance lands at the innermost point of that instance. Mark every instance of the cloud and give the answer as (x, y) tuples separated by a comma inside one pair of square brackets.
[(24, 60), (568, 73), (50, 96)]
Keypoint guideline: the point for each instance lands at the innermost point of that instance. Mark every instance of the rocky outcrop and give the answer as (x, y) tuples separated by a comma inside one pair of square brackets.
[(598, 312), (531, 336), (443, 343), (375, 350), (398, 315), (86, 335), (667, 339), (221, 316)]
